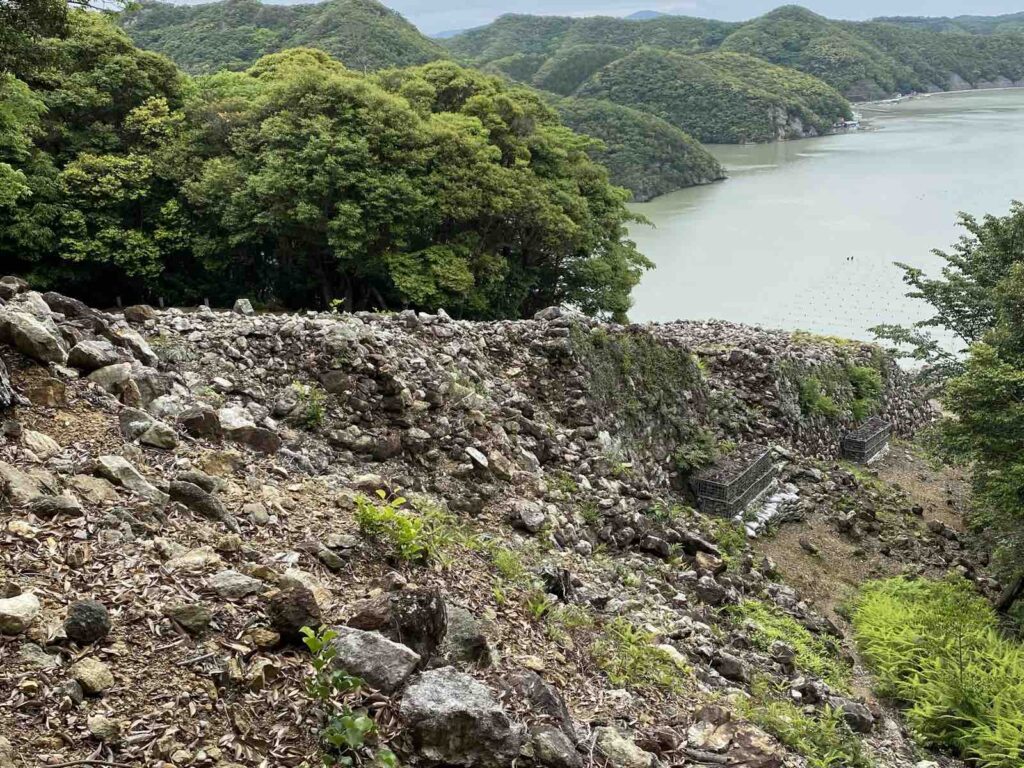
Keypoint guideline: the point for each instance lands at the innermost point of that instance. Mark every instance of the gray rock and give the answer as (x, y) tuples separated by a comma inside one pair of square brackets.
[(543, 698), (731, 668), (857, 716), (7, 396), (199, 501), (112, 378), (17, 613), (232, 585), (104, 729), (455, 720), (194, 617), (88, 621), (119, 471), (31, 336), (550, 747), (47, 507), (417, 618), (43, 446), (382, 663), (528, 515), (293, 608), (92, 354), (93, 675), (619, 751), (243, 307), (465, 641), (201, 421), (239, 427), (139, 313), (139, 425)]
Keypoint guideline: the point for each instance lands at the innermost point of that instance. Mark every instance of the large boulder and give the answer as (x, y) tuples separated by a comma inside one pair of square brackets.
[(417, 618), (32, 336), (382, 663), (92, 354), (452, 719)]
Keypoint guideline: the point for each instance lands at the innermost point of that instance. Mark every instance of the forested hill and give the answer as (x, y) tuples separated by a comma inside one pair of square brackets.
[(862, 60), (980, 25), (201, 39)]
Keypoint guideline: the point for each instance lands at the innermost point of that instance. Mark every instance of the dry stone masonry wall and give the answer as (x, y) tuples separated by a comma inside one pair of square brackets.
[(179, 493)]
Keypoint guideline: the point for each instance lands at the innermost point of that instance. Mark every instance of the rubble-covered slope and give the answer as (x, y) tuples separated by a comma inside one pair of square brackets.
[(493, 517)]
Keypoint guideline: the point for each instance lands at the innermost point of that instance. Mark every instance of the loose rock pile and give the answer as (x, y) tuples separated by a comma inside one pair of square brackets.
[(181, 494)]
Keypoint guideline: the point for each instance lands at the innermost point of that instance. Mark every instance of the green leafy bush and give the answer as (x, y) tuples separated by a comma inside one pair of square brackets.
[(413, 536), (936, 647), (311, 405), (628, 656), (814, 401), (815, 655), (823, 738), (349, 733), (867, 390)]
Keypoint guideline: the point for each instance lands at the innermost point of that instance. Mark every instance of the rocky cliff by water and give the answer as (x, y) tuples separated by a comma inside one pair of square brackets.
[(493, 518)]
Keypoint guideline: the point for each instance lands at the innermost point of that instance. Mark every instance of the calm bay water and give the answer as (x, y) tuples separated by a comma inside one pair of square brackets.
[(803, 235)]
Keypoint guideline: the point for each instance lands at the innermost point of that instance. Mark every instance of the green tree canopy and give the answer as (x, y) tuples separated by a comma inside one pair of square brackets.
[(302, 181)]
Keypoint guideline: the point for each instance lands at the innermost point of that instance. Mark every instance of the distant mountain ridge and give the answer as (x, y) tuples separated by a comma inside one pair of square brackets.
[(362, 34), (863, 60)]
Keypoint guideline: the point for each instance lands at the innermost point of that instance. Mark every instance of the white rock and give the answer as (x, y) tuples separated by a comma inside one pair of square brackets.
[(17, 613)]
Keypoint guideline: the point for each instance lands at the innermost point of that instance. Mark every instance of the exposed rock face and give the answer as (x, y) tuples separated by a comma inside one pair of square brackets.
[(455, 720), (619, 751)]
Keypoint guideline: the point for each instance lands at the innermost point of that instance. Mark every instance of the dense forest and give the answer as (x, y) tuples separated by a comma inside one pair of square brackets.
[(201, 39), (862, 60), (720, 98), (642, 152), (297, 181)]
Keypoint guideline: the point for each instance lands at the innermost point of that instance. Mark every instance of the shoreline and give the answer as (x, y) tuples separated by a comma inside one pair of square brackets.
[(930, 94)]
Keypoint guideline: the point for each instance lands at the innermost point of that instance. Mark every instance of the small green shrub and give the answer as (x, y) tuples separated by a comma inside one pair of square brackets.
[(815, 655), (696, 450), (814, 401), (731, 538), (311, 405), (415, 537), (564, 482), (591, 513), (537, 604), (935, 646), (349, 734), (665, 514), (823, 738), (509, 564), (629, 658), (867, 390)]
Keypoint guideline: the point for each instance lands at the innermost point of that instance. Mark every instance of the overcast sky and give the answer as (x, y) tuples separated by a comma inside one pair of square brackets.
[(439, 15)]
